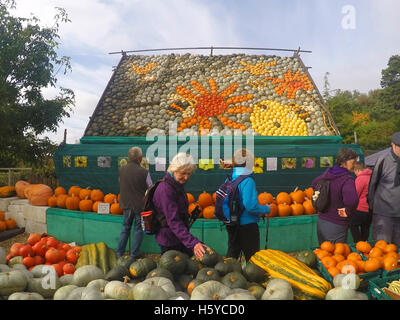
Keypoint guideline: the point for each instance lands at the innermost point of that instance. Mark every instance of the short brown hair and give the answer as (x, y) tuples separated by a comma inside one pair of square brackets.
[(359, 166), (345, 154)]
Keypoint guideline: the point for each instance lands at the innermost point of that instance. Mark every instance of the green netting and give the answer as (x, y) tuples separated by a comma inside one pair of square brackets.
[(206, 147)]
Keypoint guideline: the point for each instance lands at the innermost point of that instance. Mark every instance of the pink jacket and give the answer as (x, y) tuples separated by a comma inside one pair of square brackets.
[(362, 182)]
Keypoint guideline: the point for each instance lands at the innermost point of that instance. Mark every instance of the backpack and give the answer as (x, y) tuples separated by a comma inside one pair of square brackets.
[(155, 220), (229, 189), (321, 197)]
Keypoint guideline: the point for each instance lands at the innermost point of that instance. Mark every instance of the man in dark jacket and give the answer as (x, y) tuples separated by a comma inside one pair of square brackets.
[(133, 183), (333, 224), (384, 195)]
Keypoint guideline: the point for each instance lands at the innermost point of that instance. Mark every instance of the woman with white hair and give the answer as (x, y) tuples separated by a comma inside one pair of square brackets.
[(170, 200)]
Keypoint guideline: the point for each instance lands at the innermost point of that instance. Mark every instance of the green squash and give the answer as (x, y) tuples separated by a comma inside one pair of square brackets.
[(207, 274), (184, 281), (193, 284), (193, 266), (278, 289), (256, 290), (254, 273), (25, 296), (160, 272), (307, 257), (223, 267), (164, 283), (76, 294), (63, 292), (12, 281), (210, 258), (44, 286), (174, 261), (125, 261), (240, 296), (4, 268), (234, 280), (117, 273), (99, 284), (66, 279), (141, 267), (93, 293), (15, 260), (118, 290), (210, 290), (39, 270), (148, 291), (83, 275)]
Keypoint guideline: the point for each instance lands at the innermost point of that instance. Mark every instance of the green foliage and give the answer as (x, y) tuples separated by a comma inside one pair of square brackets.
[(29, 63)]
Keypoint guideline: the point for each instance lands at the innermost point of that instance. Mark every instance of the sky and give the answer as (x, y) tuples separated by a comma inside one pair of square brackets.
[(351, 39)]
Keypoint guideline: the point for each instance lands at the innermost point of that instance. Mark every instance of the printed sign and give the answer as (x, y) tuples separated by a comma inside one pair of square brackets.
[(103, 208)]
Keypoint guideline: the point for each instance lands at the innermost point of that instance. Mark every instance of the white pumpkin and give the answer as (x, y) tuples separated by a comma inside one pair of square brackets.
[(118, 290), (341, 293), (92, 293), (63, 292), (278, 289), (148, 291), (210, 290), (25, 296), (83, 275), (164, 283), (12, 281)]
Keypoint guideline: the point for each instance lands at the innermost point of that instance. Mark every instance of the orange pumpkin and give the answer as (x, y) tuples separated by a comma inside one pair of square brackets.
[(74, 190), (83, 193), (381, 244), (97, 195), (297, 196), (115, 209), (72, 203), (308, 207), (214, 196), (96, 205), (389, 263), (309, 192), (192, 206), (11, 223), (284, 210), (61, 200), (2, 215), (363, 246), (273, 210), (52, 202), (110, 198), (284, 198), (3, 226), (208, 212), (86, 205), (297, 209), (20, 187), (264, 198), (371, 265), (38, 194), (190, 197), (205, 199), (328, 246), (59, 190)]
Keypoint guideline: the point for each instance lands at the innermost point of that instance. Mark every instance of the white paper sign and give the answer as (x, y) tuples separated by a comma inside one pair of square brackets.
[(160, 164), (272, 164), (103, 208)]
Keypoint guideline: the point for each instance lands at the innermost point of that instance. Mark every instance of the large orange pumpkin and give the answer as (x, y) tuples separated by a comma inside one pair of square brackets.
[(52, 202), (3, 226), (297, 196), (115, 209), (20, 187), (61, 200), (309, 192), (273, 210), (72, 203), (2, 215), (74, 190), (297, 209), (284, 210), (283, 198), (308, 207), (96, 205), (264, 198), (11, 223), (83, 193), (208, 212), (86, 205), (190, 198), (38, 194), (205, 199), (193, 206), (97, 195)]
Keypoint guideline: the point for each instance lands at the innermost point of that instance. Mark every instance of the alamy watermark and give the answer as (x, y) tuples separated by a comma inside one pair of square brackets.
[(349, 18)]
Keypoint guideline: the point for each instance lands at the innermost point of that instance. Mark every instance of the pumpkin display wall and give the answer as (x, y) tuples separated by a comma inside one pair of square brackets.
[(264, 95)]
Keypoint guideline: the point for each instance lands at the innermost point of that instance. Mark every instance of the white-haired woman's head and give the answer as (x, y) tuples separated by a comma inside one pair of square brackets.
[(182, 166)]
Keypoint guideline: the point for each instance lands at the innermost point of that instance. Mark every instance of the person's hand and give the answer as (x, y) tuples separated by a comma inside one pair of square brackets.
[(342, 212), (199, 249)]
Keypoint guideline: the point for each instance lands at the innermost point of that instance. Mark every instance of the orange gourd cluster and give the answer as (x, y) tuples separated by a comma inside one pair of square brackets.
[(285, 204), (205, 201), (47, 250), (6, 224), (83, 199), (382, 255)]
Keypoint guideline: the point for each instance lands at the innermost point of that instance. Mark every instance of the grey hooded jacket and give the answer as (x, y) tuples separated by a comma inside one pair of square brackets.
[(383, 196)]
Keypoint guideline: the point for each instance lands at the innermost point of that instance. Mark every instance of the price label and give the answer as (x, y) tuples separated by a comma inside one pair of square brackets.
[(103, 208)]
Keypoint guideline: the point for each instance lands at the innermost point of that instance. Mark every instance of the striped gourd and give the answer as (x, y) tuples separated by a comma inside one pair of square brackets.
[(305, 282)]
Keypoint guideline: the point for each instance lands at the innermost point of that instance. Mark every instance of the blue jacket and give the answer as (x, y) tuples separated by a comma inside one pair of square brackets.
[(248, 197)]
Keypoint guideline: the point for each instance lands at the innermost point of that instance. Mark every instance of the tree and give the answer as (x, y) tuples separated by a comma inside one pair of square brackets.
[(29, 63)]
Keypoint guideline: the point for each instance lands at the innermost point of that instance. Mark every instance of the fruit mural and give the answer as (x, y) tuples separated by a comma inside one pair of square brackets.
[(262, 95)]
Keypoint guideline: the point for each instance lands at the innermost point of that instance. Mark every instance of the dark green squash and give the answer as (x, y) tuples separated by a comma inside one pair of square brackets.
[(207, 274), (174, 261), (160, 272), (254, 273), (117, 273), (210, 258), (307, 257), (193, 284), (141, 267), (256, 290), (184, 281), (193, 266), (125, 261), (234, 280)]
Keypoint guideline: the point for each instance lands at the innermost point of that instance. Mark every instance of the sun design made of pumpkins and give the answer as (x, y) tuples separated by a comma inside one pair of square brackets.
[(271, 118), (207, 104)]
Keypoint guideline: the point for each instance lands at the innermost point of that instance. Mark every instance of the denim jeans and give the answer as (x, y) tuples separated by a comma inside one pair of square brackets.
[(386, 228), (329, 231), (129, 216)]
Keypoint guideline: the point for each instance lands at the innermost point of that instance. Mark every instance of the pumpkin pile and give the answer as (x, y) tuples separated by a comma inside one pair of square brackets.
[(295, 203), (6, 224), (382, 255), (44, 250), (37, 194), (205, 201), (83, 199)]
